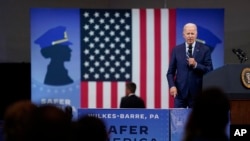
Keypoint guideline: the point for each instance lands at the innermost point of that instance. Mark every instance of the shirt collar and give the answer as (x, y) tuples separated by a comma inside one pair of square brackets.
[(131, 94), (193, 45)]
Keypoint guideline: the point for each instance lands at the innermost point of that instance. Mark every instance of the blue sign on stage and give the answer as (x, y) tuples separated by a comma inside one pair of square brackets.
[(178, 119), (133, 124)]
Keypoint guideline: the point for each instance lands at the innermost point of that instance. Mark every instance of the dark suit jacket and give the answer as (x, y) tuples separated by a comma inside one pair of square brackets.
[(132, 101), (184, 77)]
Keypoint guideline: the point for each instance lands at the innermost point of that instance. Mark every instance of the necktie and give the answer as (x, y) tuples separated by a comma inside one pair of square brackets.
[(190, 51)]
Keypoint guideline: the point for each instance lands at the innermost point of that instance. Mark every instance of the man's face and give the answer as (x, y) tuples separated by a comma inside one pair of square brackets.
[(190, 34)]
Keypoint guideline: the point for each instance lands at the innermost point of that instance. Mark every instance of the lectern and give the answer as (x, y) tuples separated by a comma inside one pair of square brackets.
[(233, 79)]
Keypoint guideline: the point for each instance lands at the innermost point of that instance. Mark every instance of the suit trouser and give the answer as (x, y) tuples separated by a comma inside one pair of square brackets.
[(180, 102)]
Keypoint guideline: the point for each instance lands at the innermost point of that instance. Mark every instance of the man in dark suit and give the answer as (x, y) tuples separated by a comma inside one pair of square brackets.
[(189, 62), (130, 100)]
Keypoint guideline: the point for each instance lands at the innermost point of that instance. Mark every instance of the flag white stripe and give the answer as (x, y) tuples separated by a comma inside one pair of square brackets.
[(106, 95), (164, 57), (150, 73), (136, 48), (121, 92), (92, 94)]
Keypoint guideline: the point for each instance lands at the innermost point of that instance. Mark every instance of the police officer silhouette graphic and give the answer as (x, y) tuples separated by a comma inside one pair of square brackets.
[(54, 45)]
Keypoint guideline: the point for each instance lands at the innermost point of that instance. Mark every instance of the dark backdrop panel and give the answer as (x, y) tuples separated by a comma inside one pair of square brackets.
[(15, 84)]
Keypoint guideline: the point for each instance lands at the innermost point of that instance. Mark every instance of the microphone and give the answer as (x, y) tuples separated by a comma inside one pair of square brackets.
[(243, 54), (235, 51), (190, 54)]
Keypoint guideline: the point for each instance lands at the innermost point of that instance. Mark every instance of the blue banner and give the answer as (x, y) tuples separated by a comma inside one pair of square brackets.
[(178, 119), (55, 57), (133, 124)]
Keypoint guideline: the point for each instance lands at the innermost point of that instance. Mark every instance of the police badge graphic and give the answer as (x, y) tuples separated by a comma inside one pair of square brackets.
[(245, 77)]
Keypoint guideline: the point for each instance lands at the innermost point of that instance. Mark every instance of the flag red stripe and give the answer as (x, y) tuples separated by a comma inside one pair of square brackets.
[(143, 55), (99, 94), (157, 60), (84, 95), (172, 41), (114, 95)]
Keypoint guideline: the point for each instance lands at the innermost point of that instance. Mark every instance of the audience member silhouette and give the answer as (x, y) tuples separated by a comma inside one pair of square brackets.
[(18, 121), (51, 123), (209, 117), (130, 100), (89, 128)]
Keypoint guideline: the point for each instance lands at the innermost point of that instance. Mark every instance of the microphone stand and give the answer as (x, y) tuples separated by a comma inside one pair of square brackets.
[(241, 55)]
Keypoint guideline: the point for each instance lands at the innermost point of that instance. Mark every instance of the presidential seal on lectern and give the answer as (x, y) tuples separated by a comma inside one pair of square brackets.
[(245, 77)]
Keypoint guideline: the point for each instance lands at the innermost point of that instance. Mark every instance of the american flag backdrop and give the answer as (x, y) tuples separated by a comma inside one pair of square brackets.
[(121, 45)]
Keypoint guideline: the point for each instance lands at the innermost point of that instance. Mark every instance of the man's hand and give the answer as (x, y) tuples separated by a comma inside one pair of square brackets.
[(191, 62), (173, 91)]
